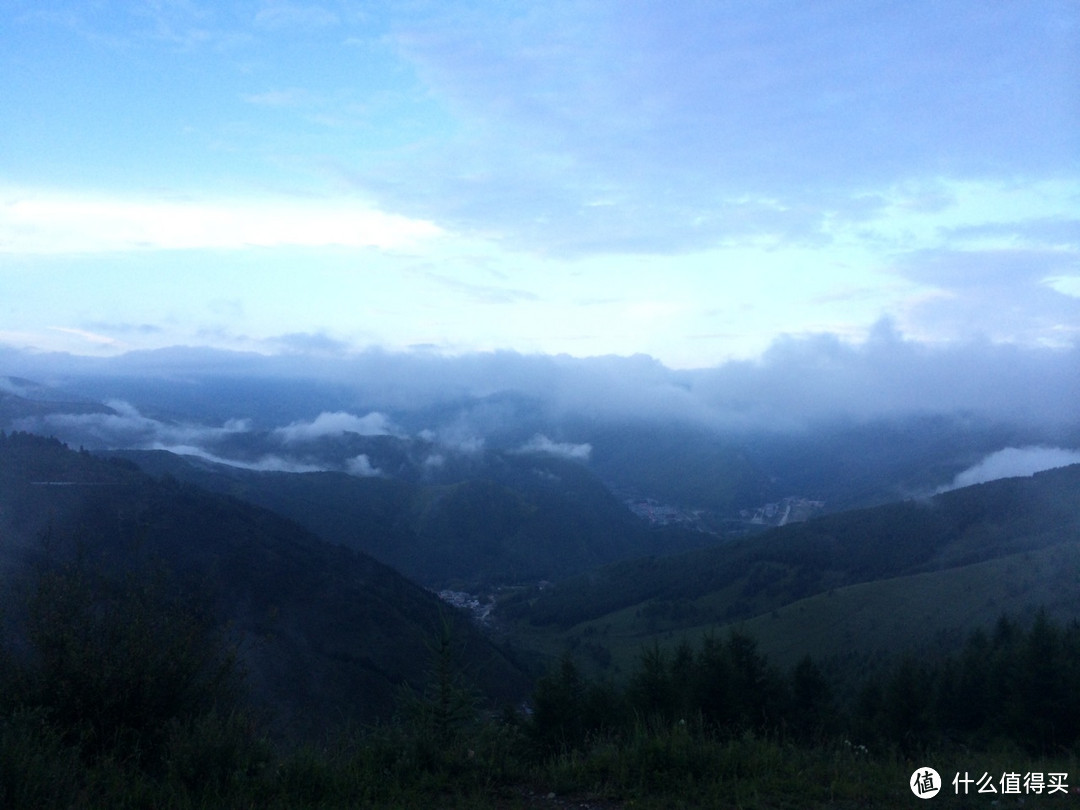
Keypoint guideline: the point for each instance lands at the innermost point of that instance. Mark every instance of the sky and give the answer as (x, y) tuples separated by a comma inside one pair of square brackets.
[(698, 182)]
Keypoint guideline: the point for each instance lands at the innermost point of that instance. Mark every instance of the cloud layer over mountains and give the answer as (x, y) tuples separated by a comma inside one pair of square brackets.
[(798, 381), (271, 412)]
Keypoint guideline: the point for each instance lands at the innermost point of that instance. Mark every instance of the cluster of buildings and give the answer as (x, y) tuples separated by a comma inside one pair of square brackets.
[(789, 510), (659, 514), (480, 611)]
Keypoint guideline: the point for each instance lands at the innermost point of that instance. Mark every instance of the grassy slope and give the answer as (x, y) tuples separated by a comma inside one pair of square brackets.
[(913, 612)]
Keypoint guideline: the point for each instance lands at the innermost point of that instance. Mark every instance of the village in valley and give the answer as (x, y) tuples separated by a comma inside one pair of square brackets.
[(793, 509)]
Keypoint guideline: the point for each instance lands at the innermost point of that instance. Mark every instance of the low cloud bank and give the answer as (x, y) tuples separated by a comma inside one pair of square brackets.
[(127, 427), (471, 399), (816, 378), (1014, 462)]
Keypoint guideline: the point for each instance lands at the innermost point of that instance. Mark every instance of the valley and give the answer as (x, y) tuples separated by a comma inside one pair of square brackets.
[(531, 406), (364, 574)]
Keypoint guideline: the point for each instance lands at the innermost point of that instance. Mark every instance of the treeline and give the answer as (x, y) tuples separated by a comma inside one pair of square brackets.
[(121, 691), (722, 687), (1016, 685)]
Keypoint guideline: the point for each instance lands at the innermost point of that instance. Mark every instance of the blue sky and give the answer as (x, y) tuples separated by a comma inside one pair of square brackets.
[(682, 179)]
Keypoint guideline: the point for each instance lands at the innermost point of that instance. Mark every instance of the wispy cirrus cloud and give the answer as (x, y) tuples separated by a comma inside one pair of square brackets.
[(622, 126), (279, 15), (480, 293), (1003, 293), (89, 336), (279, 98)]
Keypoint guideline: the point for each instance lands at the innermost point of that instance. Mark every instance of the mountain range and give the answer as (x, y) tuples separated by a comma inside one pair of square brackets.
[(322, 525)]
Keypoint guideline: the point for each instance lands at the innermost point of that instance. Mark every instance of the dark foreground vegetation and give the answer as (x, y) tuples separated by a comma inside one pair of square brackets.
[(121, 692)]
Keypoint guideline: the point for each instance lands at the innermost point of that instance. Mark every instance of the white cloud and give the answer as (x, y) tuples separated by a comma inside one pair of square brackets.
[(1066, 285), (542, 444), (45, 222), (336, 424), (1014, 462), (817, 378), (362, 467)]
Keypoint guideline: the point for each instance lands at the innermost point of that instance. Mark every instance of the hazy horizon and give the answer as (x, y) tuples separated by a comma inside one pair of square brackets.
[(269, 412)]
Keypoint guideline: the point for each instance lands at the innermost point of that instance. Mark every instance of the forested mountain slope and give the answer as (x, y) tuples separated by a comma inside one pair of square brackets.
[(326, 634), (513, 518)]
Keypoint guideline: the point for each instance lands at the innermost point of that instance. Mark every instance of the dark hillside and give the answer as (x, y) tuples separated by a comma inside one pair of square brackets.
[(680, 464), (33, 400), (326, 634), (852, 464), (516, 518)]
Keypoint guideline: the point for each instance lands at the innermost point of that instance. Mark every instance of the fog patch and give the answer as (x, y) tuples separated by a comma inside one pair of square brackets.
[(434, 461), (542, 444), (268, 463), (456, 437), (1014, 462), (336, 424), (9, 386)]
